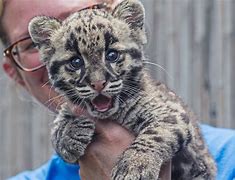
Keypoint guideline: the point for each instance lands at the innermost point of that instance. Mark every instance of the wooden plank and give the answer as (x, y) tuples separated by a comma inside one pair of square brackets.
[(232, 67), (197, 71), (185, 51), (215, 64), (156, 44), (227, 60)]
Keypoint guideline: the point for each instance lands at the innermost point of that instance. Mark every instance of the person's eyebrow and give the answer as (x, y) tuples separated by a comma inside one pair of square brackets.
[(64, 15)]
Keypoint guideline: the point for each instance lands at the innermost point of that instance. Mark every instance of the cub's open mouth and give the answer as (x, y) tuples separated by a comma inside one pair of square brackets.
[(102, 103)]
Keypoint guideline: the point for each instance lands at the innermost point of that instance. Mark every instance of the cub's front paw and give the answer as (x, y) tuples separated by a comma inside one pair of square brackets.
[(135, 166), (70, 137)]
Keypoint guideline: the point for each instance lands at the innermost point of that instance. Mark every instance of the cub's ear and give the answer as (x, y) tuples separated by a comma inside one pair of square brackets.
[(41, 27), (132, 12)]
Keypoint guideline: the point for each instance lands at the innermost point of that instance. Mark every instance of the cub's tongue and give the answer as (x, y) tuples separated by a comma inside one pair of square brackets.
[(101, 103)]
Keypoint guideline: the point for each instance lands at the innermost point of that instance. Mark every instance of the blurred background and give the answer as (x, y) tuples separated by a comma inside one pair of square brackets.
[(194, 43)]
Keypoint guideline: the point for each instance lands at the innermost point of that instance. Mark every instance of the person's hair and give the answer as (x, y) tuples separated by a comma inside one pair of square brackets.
[(3, 34)]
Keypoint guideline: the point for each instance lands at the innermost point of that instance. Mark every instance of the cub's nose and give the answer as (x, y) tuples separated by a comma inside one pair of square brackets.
[(98, 85)]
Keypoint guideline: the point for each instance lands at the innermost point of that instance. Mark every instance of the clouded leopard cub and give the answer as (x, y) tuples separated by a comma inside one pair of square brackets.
[(95, 58)]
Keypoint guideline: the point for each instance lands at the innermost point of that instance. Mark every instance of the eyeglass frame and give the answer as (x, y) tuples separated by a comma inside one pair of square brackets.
[(8, 51)]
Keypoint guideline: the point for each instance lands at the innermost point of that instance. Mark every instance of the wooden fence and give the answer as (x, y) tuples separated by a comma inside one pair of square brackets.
[(193, 40)]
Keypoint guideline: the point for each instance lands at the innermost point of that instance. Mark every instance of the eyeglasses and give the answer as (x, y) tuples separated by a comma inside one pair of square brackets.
[(24, 52), (24, 55)]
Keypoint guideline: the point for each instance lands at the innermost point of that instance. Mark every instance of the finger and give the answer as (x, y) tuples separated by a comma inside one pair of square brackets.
[(165, 173)]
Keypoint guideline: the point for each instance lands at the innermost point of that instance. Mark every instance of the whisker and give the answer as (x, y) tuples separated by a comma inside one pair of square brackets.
[(60, 95), (128, 94), (133, 83), (49, 95), (52, 100), (159, 66), (131, 79), (59, 105), (46, 83), (130, 83), (131, 87), (79, 104), (130, 91)]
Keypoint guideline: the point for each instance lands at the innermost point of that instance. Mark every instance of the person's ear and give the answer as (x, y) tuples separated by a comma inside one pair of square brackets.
[(12, 72)]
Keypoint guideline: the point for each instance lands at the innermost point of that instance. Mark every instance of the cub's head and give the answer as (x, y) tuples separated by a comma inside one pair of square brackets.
[(94, 57)]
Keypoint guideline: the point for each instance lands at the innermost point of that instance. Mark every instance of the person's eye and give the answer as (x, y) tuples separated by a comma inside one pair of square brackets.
[(14, 51), (30, 46), (112, 56), (76, 63)]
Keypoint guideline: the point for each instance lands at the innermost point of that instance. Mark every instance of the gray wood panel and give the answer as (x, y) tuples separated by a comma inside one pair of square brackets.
[(192, 40)]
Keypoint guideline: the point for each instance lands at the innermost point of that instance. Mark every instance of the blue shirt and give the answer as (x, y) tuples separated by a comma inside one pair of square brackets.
[(221, 143)]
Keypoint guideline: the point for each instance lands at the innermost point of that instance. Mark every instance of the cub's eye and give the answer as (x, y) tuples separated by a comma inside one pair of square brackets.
[(76, 63), (112, 56)]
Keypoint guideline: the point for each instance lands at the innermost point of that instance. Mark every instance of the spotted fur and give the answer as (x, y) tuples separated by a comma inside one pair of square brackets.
[(95, 59)]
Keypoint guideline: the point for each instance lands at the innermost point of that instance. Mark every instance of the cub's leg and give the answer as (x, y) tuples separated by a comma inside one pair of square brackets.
[(194, 161), (70, 135), (156, 144)]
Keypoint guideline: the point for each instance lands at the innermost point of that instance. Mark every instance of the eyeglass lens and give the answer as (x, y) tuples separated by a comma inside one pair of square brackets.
[(26, 54)]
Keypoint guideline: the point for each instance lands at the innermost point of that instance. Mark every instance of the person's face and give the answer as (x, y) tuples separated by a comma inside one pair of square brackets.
[(16, 18)]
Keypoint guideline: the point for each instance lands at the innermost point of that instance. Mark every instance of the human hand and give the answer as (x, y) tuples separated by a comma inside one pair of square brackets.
[(101, 155)]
